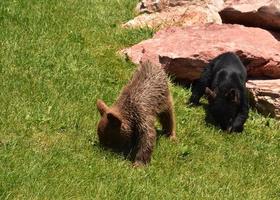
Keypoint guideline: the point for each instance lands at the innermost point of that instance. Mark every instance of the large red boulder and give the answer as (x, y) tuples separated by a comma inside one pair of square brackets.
[(257, 13), (184, 52)]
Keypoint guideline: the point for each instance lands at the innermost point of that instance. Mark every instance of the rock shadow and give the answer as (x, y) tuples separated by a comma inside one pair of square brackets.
[(275, 34)]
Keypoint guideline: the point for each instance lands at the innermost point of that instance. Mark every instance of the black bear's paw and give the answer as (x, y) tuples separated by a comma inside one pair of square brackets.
[(193, 101), (236, 129)]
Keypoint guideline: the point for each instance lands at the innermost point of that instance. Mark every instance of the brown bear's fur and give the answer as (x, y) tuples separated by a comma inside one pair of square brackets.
[(129, 123)]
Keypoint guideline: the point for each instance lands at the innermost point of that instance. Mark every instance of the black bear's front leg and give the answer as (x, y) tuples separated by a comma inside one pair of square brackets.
[(238, 123), (198, 87)]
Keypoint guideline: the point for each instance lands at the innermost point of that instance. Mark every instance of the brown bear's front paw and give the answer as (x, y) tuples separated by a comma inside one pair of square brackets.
[(172, 136), (138, 164)]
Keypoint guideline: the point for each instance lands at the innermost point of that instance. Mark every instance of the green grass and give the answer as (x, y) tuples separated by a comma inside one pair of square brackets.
[(56, 59)]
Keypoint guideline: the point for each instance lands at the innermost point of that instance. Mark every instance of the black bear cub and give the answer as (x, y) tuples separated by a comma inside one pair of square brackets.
[(223, 81)]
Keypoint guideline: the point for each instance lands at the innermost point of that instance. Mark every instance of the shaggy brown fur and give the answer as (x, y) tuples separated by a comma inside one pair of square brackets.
[(129, 124)]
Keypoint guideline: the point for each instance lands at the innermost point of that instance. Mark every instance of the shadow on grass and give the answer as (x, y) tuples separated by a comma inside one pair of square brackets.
[(180, 82), (128, 153), (208, 117)]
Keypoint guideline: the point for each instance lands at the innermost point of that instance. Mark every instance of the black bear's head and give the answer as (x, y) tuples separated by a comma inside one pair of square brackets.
[(224, 104)]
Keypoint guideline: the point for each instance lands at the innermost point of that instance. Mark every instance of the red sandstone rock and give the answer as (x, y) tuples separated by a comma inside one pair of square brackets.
[(265, 96), (150, 6), (256, 13), (159, 14), (175, 16), (184, 52)]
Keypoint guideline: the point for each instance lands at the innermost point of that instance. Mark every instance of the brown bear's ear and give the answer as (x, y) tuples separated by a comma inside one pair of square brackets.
[(234, 95), (114, 118), (101, 106)]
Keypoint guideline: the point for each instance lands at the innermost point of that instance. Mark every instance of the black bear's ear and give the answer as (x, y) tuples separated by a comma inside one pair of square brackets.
[(234, 95), (101, 106), (210, 94), (114, 118)]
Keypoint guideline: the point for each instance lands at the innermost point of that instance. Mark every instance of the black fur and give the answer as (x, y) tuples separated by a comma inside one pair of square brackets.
[(226, 77)]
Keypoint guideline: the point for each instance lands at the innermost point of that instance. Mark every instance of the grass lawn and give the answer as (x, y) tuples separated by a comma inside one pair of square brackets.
[(56, 58)]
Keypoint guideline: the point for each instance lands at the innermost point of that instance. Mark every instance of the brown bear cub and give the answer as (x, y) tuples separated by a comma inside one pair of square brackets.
[(128, 126)]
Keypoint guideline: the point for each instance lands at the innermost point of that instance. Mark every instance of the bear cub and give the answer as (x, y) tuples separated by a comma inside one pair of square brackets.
[(223, 81), (128, 125)]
